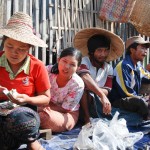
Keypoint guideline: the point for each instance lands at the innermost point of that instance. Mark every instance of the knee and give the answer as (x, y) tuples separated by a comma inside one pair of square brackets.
[(72, 120), (143, 107), (70, 125), (23, 120), (142, 103)]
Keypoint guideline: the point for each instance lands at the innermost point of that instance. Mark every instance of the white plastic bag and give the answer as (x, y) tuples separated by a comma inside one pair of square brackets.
[(119, 128), (84, 140), (104, 139), (104, 135)]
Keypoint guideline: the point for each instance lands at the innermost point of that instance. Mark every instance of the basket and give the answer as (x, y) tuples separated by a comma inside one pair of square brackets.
[(116, 10), (140, 17)]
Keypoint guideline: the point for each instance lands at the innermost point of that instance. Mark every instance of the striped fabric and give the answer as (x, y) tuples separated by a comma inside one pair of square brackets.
[(20, 126), (127, 79)]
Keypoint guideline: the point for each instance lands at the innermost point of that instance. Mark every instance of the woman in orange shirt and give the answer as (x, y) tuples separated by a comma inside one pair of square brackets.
[(28, 76)]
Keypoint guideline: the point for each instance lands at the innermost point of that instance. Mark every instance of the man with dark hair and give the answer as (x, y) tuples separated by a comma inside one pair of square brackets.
[(128, 75), (99, 46)]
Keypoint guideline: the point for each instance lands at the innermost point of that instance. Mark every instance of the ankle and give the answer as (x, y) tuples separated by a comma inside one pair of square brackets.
[(35, 146)]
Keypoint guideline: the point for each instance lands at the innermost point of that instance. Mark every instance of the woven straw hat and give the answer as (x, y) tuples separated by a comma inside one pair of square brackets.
[(20, 28), (140, 17), (116, 46), (136, 39)]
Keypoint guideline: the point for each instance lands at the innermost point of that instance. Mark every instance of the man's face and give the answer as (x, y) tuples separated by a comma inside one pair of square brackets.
[(139, 53), (101, 54)]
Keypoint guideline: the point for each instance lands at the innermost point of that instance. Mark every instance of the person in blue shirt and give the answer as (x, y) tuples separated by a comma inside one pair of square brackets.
[(128, 75)]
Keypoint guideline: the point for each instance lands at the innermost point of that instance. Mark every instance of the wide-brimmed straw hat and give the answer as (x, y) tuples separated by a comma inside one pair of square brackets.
[(116, 45), (20, 28)]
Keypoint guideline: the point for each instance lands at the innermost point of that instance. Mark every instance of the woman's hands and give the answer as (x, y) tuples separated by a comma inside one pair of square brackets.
[(40, 99), (19, 99), (1, 90), (15, 97)]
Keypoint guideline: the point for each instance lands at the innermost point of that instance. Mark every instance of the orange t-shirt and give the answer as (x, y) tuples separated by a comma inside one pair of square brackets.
[(35, 82)]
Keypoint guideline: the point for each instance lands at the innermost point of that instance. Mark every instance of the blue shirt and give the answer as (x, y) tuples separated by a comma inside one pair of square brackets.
[(127, 79)]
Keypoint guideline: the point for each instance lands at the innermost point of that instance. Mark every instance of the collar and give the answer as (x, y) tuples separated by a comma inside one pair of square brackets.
[(130, 62), (25, 67)]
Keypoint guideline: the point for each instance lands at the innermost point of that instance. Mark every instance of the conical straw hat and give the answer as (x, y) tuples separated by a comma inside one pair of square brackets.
[(116, 46), (20, 28)]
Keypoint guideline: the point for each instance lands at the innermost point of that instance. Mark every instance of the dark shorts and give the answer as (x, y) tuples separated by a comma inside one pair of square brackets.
[(132, 104), (21, 126), (96, 108), (132, 117)]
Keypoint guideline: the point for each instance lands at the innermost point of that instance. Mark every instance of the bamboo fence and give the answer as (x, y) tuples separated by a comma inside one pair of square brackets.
[(57, 21)]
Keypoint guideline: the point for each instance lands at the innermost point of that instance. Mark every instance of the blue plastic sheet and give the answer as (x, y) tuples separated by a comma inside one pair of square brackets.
[(66, 140)]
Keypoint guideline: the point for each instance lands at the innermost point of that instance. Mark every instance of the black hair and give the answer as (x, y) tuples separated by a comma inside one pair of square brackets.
[(3, 41), (70, 51), (97, 41), (133, 45)]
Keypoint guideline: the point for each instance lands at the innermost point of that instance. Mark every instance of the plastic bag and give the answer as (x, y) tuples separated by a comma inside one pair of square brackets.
[(84, 140), (104, 135), (119, 128), (103, 139)]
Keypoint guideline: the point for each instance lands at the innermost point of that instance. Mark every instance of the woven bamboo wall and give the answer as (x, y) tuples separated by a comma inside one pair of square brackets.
[(71, 16), (58, 21)]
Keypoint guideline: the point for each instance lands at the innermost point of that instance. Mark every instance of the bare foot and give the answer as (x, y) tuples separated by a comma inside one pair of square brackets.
[(35, 146)]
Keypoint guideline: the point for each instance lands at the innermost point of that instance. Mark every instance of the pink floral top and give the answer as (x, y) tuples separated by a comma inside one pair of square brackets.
[(67, 97)]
